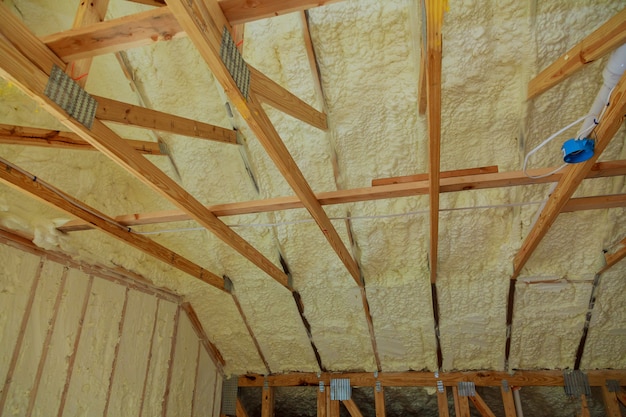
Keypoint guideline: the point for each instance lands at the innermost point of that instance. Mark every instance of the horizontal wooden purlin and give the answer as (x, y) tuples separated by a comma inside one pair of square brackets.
[(281, 99), (596, 202), (30, 136), (473, 182), (242, 11), (552, 378), (115, 35), (31, 185), (443, 174), (128, 114)]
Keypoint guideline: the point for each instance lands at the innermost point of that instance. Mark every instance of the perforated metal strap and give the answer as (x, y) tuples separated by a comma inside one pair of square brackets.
[(71, 97), (236, 66)]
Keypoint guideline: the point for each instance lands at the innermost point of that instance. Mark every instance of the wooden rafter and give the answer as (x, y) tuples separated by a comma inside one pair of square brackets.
[(613, 258), (310, 53), (89, 12), (481, 406), (278, 97), (573, 176), (128, 114), (352, 408), (444, 174), (24, 182), (115, 35), (363, 194), (603, 40), (553, 378), (30, 136), (434, 10), (204, 28), (27, 62)]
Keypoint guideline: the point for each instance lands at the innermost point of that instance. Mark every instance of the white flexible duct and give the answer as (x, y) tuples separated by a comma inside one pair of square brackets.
[(611, 74), (518, 403)]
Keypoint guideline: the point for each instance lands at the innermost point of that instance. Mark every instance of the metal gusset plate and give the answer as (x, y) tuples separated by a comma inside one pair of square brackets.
[(234, 62), (576, 383), (71, 97)]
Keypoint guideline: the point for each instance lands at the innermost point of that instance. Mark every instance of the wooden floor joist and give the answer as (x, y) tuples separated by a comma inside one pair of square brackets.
[(603, 40), (27, 65), (203, 21), (374, 193), (597, 378), (30, 136)]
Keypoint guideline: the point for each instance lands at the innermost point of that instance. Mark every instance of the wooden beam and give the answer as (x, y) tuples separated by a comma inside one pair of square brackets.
[(210, 348), (492, 169), (613, 258), (455, 397), (594, 203), (322, 407), (611, 405), (35, 187), (509, 403), (463, 404), (481, 406), (243, 11), (573, 176), (333, 406), (281, 99), (267, 402), (621, 396), (240, 409), (115, 35), (205, 31), (553, 378), (442, 403), (30, 136), (603, 40), (156, 3), (352, 408), (23, 72), (128, 114), (379, 401), (584, 406), (434, 10), (421, 84), (475, 182)]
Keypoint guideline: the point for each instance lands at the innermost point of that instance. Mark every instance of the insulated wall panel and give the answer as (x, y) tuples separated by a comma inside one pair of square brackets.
[(184, 369)]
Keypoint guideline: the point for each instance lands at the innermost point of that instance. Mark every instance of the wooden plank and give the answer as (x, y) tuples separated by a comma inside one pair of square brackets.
[(473, 182), (150, 353), (600, 42), (267, 402), (156, 3), (115, 35), (243, 11), (322, 407), (595, 203), (211, 349), (240, 409), (442, 402), (203, 22), (421, 84), (481, 406), (24, 73), (333, 406), (170, 362), (35, 187), (553, 378), (584, 406), (379, 401), (464, 410), (611, 405), (20, 337), (444, 174), (116, 354), (352, 408), (46, 345), (434, 10), (457, 406), (281, 99), (509, 403), (621, 396), (613, 258), (72, 359), (128, 114), (30, 136), (573, 176), (89, 12)]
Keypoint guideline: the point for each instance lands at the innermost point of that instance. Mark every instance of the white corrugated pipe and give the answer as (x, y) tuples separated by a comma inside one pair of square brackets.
[(611, 74), (518, 402)]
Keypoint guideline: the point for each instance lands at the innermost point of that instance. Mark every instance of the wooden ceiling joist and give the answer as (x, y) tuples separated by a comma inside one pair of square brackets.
[(30, 136), (597, 378), (27, 183), (603, 40), (573, 176), (350, 196), (203, 21), (128, 114), (27, 64), (114, 35)]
